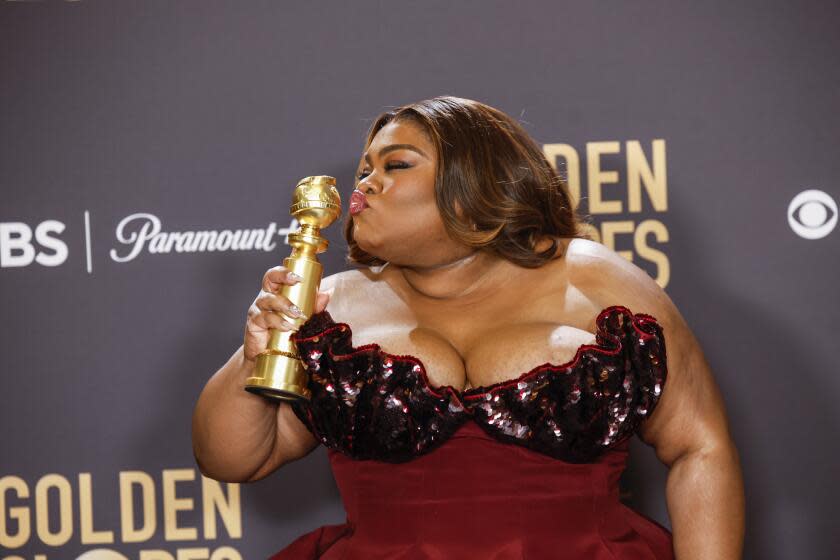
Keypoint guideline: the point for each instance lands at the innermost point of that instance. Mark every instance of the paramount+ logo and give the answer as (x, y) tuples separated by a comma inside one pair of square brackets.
[(47, 243), (139, 232)]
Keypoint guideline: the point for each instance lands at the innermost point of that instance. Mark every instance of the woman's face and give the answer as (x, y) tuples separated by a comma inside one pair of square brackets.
[(402, 223)]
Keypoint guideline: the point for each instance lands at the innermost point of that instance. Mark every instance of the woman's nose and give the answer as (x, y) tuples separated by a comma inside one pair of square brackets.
[(368, 186)]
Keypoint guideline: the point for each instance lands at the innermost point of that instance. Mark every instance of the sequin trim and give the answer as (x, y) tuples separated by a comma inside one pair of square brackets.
[(605, 343), (371, 404), (374, 349)]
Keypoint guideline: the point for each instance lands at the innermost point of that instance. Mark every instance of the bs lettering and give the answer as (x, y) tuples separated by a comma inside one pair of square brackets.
[(17, 247)]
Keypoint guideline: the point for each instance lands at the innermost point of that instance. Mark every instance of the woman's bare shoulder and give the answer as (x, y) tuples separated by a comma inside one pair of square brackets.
[(350, 290), (608, 278), (586, 256), (351, 278)]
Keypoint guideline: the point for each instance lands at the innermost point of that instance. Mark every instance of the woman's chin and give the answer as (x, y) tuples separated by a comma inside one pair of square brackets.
[(371, 247)]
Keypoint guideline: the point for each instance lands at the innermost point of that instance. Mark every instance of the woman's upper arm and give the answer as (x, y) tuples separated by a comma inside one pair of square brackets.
[(690, 414), (292, 441)]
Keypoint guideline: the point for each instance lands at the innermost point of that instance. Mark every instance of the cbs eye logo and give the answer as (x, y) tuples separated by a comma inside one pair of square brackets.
[(812, 214)]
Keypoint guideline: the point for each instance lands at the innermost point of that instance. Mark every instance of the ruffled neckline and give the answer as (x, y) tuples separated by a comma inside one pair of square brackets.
[(608, 341)]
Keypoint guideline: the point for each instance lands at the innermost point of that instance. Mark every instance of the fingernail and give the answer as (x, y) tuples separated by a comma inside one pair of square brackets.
[(295, 310), (295, 277)]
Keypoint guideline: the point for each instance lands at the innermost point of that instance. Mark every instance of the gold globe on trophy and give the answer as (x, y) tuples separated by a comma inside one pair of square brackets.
[(279, 373)]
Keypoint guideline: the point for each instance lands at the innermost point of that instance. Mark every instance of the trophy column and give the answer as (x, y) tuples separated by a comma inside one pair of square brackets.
[(279, 373)]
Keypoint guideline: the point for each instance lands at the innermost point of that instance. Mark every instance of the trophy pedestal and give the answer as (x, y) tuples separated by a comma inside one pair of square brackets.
[(279, 373), (278, 376)]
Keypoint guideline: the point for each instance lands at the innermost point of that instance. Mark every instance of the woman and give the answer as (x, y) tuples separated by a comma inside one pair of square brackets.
[(478, 377)]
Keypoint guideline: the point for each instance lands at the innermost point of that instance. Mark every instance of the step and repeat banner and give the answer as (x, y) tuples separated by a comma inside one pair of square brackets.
[(148, 154)]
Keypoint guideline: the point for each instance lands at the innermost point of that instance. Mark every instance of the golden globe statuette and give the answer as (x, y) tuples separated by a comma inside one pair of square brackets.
[(279, 373)]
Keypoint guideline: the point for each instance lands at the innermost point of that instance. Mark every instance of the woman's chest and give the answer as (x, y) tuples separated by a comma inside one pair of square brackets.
[(476, 348)]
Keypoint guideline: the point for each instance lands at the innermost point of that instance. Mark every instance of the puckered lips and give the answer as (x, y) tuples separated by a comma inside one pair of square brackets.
[(358, 202)]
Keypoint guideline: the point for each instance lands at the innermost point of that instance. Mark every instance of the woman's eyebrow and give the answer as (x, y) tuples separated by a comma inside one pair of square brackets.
[(395, 147)]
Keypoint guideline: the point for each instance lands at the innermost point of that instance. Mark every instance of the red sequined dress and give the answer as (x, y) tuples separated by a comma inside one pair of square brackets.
[(524, 469)]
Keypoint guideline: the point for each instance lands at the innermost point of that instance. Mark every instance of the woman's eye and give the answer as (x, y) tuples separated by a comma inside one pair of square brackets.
[(388, 167), (396, 165)]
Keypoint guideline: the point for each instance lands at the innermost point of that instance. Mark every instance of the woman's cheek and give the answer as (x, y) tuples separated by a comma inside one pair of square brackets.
[(368, 238)]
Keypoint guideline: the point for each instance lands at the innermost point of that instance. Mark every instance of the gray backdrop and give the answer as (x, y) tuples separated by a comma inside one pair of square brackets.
[(203, 115)]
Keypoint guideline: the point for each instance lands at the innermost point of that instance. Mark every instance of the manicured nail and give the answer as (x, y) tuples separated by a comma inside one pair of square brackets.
[(295, 277), (295, 310)]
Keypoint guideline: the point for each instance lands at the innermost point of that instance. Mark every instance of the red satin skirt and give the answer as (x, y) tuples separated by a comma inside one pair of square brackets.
[(475, 497)]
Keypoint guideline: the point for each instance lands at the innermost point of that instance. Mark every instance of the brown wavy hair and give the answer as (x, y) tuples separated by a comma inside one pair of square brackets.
[(494, 187)]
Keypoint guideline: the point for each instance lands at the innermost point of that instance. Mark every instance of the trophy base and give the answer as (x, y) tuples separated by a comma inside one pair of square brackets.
[(277, 394), (278, 375)]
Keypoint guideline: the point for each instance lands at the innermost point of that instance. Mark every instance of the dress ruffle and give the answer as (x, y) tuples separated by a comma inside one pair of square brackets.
[(370, 404)]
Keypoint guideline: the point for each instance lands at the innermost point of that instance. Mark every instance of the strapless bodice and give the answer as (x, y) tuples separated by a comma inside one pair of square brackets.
[(369, 404)]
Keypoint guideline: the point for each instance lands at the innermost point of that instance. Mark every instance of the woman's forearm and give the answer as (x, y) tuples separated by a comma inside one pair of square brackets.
[(705, 495)]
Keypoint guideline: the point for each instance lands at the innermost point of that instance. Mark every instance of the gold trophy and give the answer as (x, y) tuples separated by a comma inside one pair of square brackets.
[(279, 373)]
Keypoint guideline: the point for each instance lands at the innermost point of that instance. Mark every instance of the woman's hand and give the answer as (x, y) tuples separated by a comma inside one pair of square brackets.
[(274, 311)]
